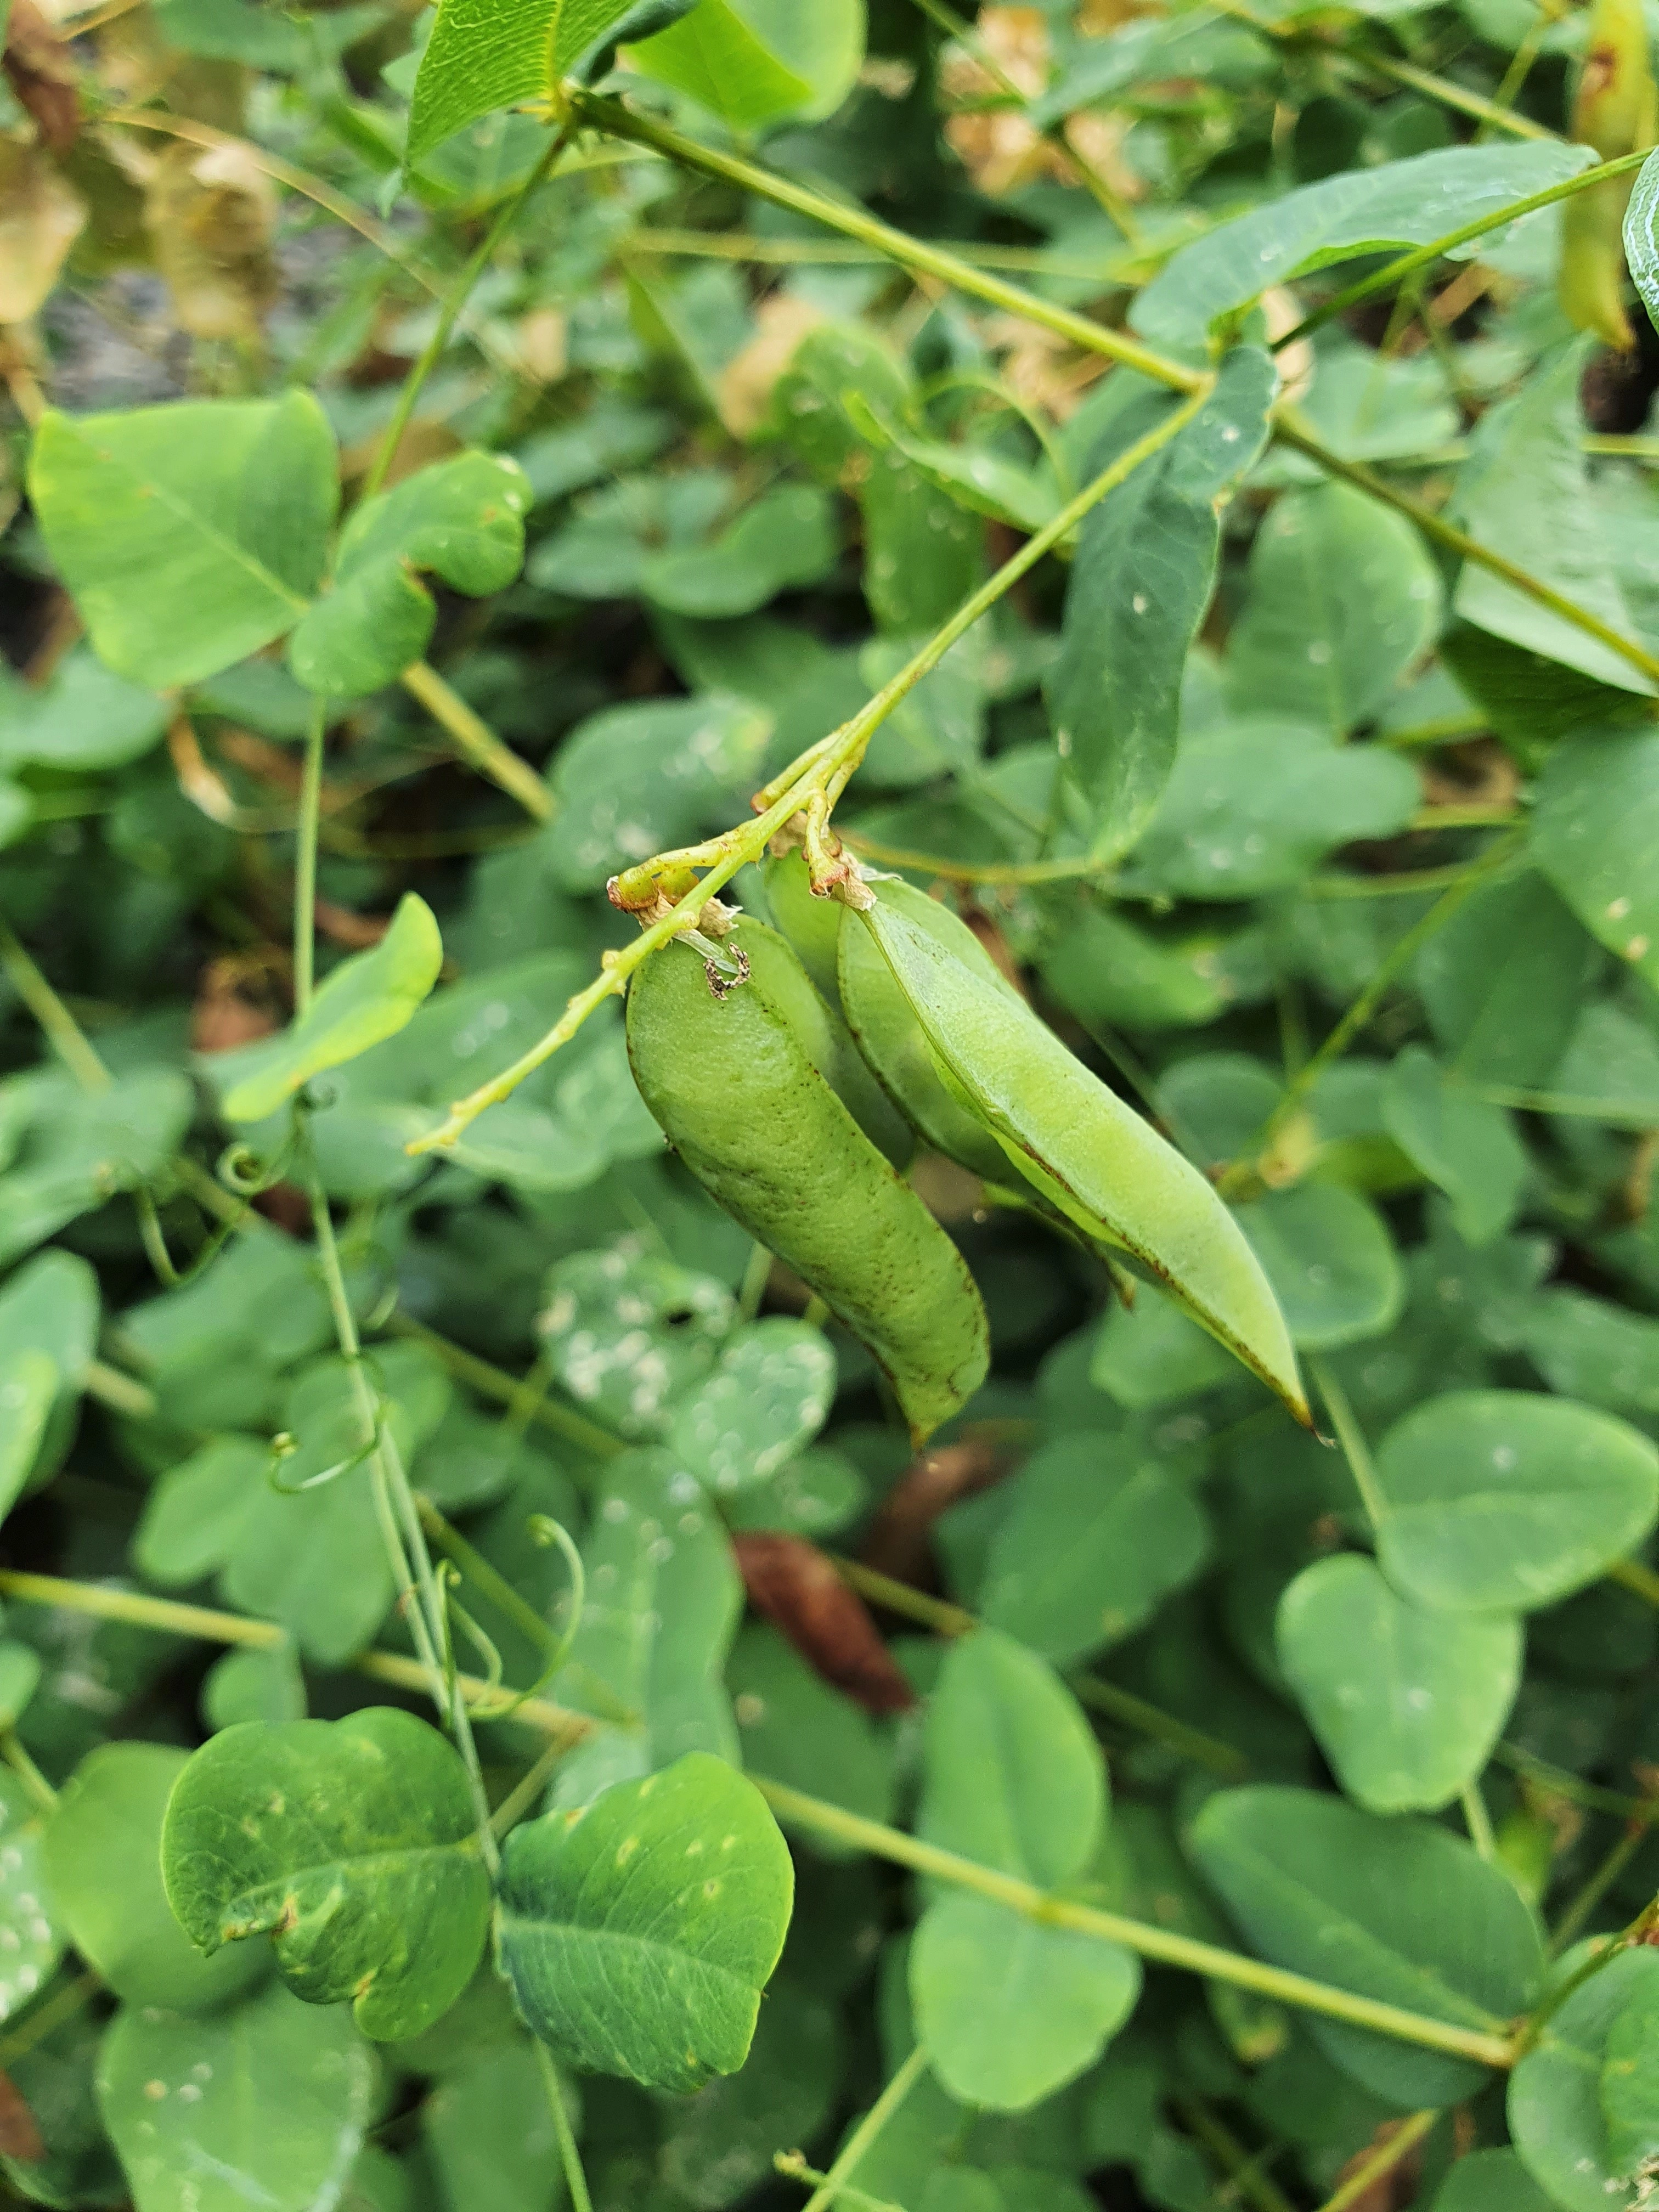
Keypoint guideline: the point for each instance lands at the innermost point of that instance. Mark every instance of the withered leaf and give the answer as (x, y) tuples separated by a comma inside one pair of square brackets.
[(795, 1586)]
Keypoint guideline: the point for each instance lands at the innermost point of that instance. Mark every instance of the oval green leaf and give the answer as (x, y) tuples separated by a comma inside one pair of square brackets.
[(350, 1842), (639, 1931), (1406, 1703), (1501, 1501)]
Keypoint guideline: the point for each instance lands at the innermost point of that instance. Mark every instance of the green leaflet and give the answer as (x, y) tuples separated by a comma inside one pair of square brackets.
[(1343, 598), (1501, 1501), (102, 1855), (639, 1932), (483, 56), (1459, 1140), (190, 535), (1086, 1152), (1570, 2098), (1407, 1703), (1365, 210), (367, 998), (1593, 836), (352, 1842), (32, 1937), (1144, 569), (1092, 1543), (462, 518), (752, 62), (768, 1396), (1010, 2011), (283, 2094), (1395, 1909), (86, 717), (1012, 1774)]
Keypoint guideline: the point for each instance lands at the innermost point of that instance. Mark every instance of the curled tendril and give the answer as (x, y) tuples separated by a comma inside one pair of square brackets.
[(283, 1447), (241, 1170), (545, 1530)]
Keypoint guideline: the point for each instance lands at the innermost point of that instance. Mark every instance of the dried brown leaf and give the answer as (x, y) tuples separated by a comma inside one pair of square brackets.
[(898, 1541), (20, 2133), (238, 999), (341, 924), (795, 1586), (746, 384), (210, 212), (42, 216), (41, 75)]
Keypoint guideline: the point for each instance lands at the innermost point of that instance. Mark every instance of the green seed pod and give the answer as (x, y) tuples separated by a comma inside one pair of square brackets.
[(812, 925), (1613, 111), (1087, 1153), (788, 984), (880, 1017), (735, 1086)]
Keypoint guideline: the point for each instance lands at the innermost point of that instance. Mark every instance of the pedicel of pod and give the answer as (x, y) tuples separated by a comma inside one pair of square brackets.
[(734, 1085), (880, 1016), (1081, 1147), (788, 982)]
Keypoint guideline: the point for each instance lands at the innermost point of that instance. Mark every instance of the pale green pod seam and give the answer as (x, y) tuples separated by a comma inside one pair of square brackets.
[(1089, 1153), (895, 1045)]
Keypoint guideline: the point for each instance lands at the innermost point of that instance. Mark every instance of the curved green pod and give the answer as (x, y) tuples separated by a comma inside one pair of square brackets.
[(734, 1085), (892, 1040), (1087, 1153), (812, 925), (786, 981)]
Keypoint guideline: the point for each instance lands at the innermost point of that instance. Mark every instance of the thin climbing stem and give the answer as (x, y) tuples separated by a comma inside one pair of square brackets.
[(1477, 1821), (304, 860), (17, 1758), (401, 1532), (58, 1026), (1590, 1892), (432, 352), (1362, 2182), (1248, 2180), (570, 2157), (1351, 1438), (1092, 336), (856, 223), (868, 2130), (476, 742), (167, 1616), (492, 1381), (1488, 2045), (1091, 1690), (818, 773)]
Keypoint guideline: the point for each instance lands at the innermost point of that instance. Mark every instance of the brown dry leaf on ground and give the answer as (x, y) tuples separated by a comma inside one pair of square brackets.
[(210, 212), (897, 1543), (238, 1000), (20, 2132), (42, 76), (41, 216), (798, 1590), (747, 382)]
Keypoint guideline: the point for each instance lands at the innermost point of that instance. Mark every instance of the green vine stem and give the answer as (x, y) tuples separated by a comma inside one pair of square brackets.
[(1101, 1695), (477, 742), (1488, 2045), (570, 2157), (430, 354), (610, 116), (1383, 2160), (815, 777), (1247, 2183), (868, 2128)]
